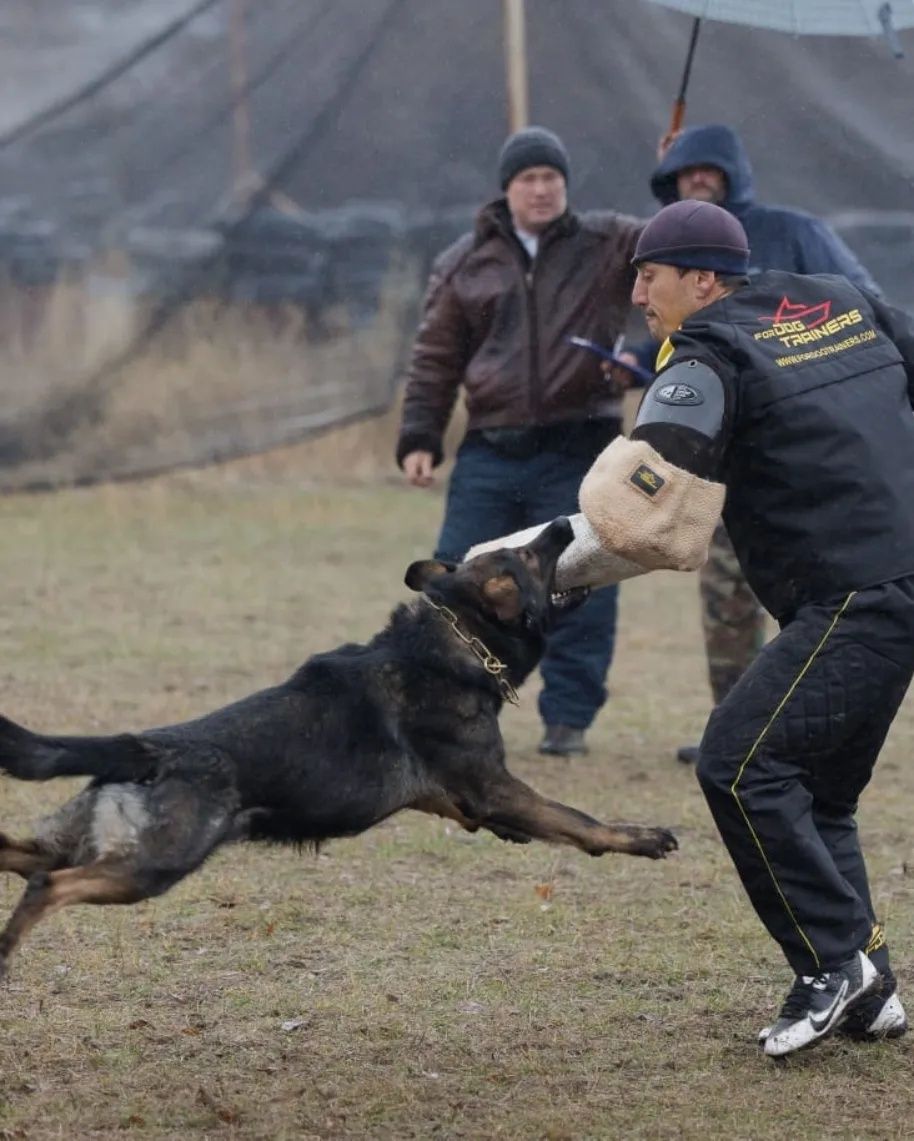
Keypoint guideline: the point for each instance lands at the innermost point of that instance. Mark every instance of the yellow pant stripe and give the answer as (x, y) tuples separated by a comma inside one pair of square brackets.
[(877, 939), (734, 788)]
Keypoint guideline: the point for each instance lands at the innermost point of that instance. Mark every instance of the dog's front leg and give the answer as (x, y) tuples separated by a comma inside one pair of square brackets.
[(439, 804), (512, 809)]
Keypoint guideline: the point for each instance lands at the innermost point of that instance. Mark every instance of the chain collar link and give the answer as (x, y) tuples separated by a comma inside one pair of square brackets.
[(492, 665)]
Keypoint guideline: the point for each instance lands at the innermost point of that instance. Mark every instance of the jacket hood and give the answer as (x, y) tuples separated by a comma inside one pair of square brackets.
[(713, 145)]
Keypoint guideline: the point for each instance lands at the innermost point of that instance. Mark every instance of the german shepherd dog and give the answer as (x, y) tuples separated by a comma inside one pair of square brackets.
[(409, 720)]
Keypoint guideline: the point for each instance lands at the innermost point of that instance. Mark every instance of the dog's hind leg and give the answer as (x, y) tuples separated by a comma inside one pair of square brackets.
[(514, 811), (143, 839), (47, 892), (24, 857)]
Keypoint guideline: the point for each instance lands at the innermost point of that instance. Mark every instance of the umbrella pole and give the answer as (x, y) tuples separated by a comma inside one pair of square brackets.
[(678, 116)]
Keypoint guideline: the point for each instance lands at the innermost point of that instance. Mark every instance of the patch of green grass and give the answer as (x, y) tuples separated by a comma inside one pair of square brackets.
[(414, 982)]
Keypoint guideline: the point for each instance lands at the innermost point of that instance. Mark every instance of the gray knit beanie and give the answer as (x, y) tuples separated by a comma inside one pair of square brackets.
[(533, 146)]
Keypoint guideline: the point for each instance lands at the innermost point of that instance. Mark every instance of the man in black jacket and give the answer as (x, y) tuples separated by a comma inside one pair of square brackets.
[(791, 398), (795, 393), (709, 163)]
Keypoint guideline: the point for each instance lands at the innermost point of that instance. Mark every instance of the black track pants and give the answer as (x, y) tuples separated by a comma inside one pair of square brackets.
[(786, 755)]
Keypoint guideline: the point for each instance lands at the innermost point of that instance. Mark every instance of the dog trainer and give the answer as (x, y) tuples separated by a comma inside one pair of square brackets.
[(788, 403)]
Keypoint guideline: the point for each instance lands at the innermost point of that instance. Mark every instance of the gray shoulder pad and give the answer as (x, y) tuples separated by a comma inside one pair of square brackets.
[(688, 393)]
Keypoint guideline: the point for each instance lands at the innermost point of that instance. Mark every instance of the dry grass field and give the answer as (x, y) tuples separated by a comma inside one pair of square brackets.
[(415, 982), (87, 397)]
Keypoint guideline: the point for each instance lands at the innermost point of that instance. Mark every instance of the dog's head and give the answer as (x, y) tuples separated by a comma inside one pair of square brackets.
[(507, 596)]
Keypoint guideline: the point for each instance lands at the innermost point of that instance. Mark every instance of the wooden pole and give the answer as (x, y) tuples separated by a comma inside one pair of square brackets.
[(242, 166), (516, 64)]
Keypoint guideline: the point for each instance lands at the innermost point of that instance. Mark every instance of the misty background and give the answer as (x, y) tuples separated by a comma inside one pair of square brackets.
[(217, 216)]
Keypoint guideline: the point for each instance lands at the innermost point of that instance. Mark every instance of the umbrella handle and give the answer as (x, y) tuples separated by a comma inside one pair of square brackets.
[(679, 105), (676, 120)]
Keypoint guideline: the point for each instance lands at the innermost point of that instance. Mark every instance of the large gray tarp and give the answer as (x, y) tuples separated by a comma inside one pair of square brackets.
[(373, 130), (828, 120)]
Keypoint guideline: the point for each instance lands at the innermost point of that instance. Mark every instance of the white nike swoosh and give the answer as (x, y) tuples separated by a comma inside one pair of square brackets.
[(820, 1021)]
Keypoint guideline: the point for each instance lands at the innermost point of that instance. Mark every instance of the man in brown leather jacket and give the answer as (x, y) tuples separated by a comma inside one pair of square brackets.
[(500, 307)]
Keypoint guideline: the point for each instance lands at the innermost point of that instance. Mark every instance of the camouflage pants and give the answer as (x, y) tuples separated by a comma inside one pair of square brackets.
[(732, 617)]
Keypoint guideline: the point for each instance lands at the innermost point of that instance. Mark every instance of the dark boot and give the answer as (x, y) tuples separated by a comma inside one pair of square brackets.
[(562, 741), (687, 754)]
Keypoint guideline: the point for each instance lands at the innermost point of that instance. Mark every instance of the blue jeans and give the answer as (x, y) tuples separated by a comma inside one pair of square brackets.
[(491, 495)]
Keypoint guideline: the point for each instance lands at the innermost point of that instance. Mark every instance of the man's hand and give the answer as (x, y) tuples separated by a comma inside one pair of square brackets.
[(620, 378), (417, 467), (665, 142)]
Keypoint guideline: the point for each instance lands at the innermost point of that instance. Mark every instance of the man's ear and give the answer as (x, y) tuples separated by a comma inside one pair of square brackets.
[(705, 281), (420, 574)]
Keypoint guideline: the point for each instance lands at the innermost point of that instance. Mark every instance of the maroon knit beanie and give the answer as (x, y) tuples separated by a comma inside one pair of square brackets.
[(694, 235)]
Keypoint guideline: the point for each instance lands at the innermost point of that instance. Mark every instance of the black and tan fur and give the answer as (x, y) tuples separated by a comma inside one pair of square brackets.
[(409, 720)]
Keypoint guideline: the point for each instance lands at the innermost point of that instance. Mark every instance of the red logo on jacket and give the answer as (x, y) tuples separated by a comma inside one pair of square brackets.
[(809, 315)]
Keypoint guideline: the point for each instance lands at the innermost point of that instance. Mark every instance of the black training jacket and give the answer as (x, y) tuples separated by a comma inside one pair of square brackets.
[(818, 454)]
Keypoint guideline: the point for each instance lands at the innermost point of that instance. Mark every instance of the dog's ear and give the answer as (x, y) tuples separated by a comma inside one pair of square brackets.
[(503, 593), (420, 574)]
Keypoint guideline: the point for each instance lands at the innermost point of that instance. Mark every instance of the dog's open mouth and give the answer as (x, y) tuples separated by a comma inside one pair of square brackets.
[(569, 599)]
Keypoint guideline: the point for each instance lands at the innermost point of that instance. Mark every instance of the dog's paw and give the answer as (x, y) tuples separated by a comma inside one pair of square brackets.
[(655, 843), (633, 840), (510, 835), (641, 840)]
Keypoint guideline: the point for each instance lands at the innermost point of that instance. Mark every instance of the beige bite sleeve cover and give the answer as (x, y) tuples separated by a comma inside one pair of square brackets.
[(584, 562), (649, 511)]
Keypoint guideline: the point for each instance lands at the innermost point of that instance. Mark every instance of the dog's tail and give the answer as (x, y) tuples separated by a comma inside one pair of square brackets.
[(32, 756)]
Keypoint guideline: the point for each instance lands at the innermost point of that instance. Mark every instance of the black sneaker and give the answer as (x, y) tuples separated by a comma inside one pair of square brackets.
[(816, 1004), (875, 1018), (687, 754), (562, 741)]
